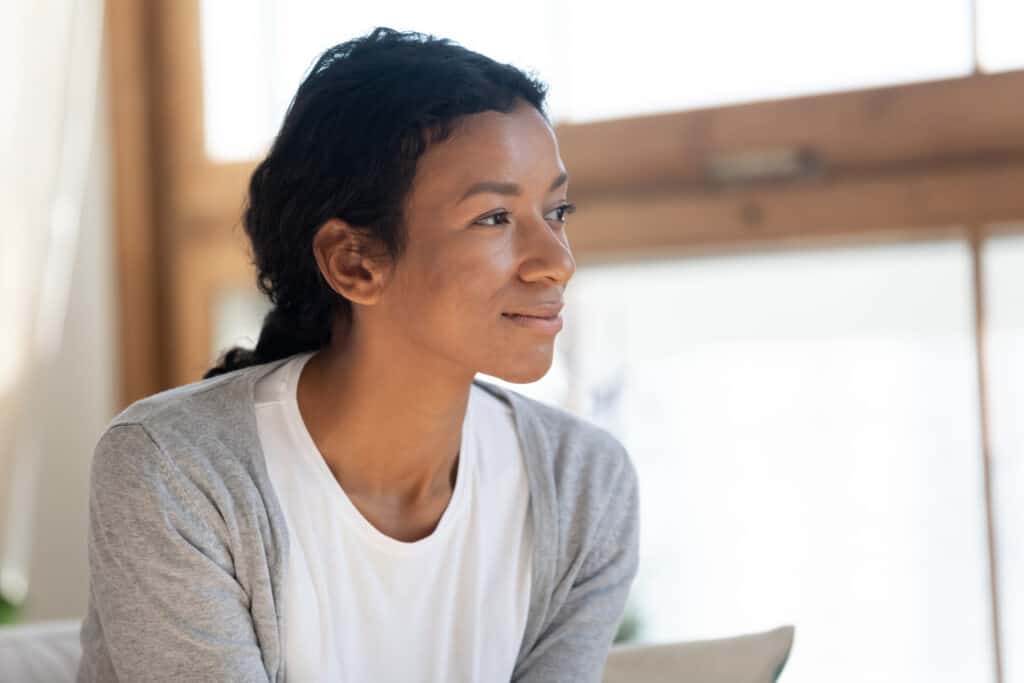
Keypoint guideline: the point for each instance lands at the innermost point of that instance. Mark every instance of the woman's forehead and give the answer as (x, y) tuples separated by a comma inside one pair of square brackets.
[(514, 148)]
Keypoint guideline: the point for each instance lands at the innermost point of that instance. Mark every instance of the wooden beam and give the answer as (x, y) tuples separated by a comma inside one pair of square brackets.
[(858, 132), (864, 133), (976, 237), (906, 205), (866, 129), (179, 71), (139, 342)]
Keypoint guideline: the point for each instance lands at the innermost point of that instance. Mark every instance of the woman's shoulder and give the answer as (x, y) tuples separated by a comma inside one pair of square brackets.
[(578, 455), (194, 409), (198, 427), (176, 503), (204, 393)]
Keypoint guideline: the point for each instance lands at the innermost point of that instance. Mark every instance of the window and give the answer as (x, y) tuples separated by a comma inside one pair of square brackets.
[(806, 431), (999, 25), (811, 417), (1004, 259), (237, 318), (690, 54)]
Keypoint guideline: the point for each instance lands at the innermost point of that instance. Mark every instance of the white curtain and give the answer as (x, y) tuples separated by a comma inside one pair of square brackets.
[(50, 57)]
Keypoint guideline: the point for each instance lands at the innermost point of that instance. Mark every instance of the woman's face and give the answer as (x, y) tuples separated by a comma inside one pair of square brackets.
[(485, 236)]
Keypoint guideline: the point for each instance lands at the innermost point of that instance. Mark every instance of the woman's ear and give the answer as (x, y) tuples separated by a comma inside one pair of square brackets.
[(344, 256)]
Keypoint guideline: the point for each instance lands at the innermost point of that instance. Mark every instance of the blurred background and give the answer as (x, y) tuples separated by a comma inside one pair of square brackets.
[(799, 300)]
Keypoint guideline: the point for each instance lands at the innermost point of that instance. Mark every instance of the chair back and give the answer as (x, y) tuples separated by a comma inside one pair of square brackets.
[(754, 658)]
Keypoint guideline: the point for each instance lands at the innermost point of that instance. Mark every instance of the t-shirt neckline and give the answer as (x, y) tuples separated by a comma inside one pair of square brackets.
[(347, 509)]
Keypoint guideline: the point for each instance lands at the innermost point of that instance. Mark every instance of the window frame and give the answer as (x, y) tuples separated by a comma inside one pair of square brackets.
[(873, 173)]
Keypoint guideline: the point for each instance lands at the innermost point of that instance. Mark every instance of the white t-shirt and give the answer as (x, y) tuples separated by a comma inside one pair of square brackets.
[(362, 606)]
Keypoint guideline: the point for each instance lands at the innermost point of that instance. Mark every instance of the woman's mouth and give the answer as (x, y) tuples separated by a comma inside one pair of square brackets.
[(550, 325)]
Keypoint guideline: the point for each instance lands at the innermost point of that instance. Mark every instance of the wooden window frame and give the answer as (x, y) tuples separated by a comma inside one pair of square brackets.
[(932, 160), (646, 185)]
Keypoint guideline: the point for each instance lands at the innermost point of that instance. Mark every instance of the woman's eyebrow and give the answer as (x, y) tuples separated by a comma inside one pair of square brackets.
[(496, 187)]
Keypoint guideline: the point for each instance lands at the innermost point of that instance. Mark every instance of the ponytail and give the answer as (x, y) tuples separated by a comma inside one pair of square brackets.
[(284, 334)]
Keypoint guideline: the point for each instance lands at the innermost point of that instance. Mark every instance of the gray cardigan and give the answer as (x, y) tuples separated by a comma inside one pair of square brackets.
[(188, 544)]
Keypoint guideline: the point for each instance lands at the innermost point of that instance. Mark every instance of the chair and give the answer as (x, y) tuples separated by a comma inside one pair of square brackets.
[(754, 658)]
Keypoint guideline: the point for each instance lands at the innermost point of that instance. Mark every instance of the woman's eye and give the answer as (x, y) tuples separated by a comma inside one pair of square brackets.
[(501, 214), (563, 210), (559, 214)]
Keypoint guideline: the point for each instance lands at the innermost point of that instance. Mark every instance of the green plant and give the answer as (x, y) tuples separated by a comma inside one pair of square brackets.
[(629, 627), (8, 612)]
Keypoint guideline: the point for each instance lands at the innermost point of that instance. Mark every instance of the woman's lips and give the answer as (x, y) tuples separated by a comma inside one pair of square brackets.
[(550, 325)]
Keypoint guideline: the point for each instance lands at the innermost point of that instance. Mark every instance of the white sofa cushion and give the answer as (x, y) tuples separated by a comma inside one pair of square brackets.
[(48, 652), (754, 658), (44, 652)]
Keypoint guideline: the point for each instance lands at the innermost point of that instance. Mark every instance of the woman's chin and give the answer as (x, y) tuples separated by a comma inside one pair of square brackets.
[(522, 374)]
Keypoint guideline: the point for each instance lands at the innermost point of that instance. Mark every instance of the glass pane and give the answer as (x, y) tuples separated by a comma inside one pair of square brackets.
[(695, 54), (654, 57), (806, 431), (1000, 47), (276, 42), (239, 117), (1004, 283), (237, 318)]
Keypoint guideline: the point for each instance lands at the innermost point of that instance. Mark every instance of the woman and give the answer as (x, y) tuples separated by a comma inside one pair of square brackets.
[(346, 502)]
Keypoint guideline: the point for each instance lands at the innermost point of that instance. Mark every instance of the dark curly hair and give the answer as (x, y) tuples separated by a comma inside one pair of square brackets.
[(348, 148)]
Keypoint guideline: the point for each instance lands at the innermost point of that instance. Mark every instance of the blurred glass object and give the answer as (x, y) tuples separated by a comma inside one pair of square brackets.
[(806, 431), (601, 61), (1000, 47), (1004, 285), (237, 318)]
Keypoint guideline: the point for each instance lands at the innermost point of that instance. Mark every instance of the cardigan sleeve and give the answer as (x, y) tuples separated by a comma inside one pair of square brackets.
[(164, 603), (575, 643)]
